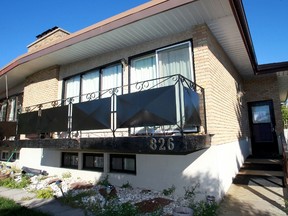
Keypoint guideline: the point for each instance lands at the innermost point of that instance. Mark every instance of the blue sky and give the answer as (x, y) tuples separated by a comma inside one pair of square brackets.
[(268, 24), (21, 21)]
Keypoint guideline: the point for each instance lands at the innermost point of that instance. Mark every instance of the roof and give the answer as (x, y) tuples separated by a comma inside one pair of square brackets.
[(154, 19)]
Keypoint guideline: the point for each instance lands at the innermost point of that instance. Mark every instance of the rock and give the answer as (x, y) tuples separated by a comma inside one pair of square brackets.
[(80, 185), (108, 192), (51, 181)]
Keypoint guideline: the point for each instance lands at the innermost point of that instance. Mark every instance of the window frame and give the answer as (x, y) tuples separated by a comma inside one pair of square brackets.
[(123, 157), (70, 154), (93, 168), (10, 115), (100, 71), (155, 52), (4, 158)]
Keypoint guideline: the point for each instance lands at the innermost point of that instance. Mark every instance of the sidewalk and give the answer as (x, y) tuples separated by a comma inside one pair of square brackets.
[(261, 196), (50, 206)]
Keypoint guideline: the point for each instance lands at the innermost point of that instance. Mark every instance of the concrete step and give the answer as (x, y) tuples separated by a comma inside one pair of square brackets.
[(261, 173), (263, 161)]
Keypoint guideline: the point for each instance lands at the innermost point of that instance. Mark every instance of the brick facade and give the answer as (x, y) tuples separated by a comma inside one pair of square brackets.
[(215, 72), (41, 87), (227, 117)]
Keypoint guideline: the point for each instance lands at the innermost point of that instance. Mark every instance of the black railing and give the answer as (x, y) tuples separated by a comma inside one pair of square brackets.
[(171, 104)]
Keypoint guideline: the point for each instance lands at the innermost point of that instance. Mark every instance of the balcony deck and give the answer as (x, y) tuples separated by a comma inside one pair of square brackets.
[(170, 111)]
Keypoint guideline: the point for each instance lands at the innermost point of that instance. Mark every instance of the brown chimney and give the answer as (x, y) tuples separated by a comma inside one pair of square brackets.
[(47, 37)]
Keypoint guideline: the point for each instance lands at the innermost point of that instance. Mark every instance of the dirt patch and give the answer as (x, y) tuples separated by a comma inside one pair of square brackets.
[(152, 205)]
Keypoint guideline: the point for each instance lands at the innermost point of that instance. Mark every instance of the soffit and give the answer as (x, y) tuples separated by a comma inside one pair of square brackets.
[(217, 14)]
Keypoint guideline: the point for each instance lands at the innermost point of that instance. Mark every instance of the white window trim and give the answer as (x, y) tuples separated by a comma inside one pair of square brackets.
[(176, 45)]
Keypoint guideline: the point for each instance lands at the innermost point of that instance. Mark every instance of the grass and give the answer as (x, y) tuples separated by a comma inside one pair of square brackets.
[(9, 207)]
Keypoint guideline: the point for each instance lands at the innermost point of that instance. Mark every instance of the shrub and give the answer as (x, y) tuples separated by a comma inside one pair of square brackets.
[(66, 175), (125, 209), (44, 193), (169, 191), (11, 183), (104, 182), (127, 185)]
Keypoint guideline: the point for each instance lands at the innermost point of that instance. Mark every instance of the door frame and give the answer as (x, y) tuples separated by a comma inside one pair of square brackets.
[(273, 148)]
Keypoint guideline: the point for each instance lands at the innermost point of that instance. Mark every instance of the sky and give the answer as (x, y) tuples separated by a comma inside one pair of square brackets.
[(21, 21), (268, 24)]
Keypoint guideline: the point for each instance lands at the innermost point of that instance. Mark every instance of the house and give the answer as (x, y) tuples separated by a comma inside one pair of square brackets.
[(168, 93)]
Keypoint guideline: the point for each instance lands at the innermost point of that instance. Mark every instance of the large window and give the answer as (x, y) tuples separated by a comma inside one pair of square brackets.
[(168, 61), (123, 163), (111, 78), (72, 89), (98, 81), (176, 59), (9, 108), (70, 160), (93, 161), (90, 83), (143, 68)]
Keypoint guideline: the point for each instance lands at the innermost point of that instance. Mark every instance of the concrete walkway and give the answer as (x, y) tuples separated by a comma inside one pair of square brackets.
[(50, 206), (260, 196)]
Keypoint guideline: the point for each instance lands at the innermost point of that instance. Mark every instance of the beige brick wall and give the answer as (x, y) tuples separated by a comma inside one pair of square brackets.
[(265, 87), (41, 87), (217, 75)]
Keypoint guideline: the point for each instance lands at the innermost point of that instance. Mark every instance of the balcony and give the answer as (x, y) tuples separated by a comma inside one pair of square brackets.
[(157, 116)]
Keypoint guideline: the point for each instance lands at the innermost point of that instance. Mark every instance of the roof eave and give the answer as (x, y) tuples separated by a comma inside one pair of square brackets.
[(122, 19), (240, 16)]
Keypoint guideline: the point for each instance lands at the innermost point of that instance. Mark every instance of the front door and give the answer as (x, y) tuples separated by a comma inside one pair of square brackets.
[(262, 128)]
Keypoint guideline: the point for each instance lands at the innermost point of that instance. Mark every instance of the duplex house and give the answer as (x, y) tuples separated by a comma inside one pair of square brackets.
[(167, 93)]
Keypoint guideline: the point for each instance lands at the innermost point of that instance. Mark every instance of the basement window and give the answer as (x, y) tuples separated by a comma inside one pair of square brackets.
[(70, 160), (123, 163), (4, 155), (93, 162)]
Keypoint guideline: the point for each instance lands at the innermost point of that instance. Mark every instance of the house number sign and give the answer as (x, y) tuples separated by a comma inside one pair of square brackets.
[(161, 144)]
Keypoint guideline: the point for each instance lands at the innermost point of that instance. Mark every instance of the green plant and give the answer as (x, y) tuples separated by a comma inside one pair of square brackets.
[(125, 209), (169, 191), (203, 208), (127, 185), (46, 193), (105, 181), (77, 200), (190, 191), (11, 183), (66, 175), (284, 111)]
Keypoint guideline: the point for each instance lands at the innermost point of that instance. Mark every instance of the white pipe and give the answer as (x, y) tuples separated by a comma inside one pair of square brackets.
[(6, 86)]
